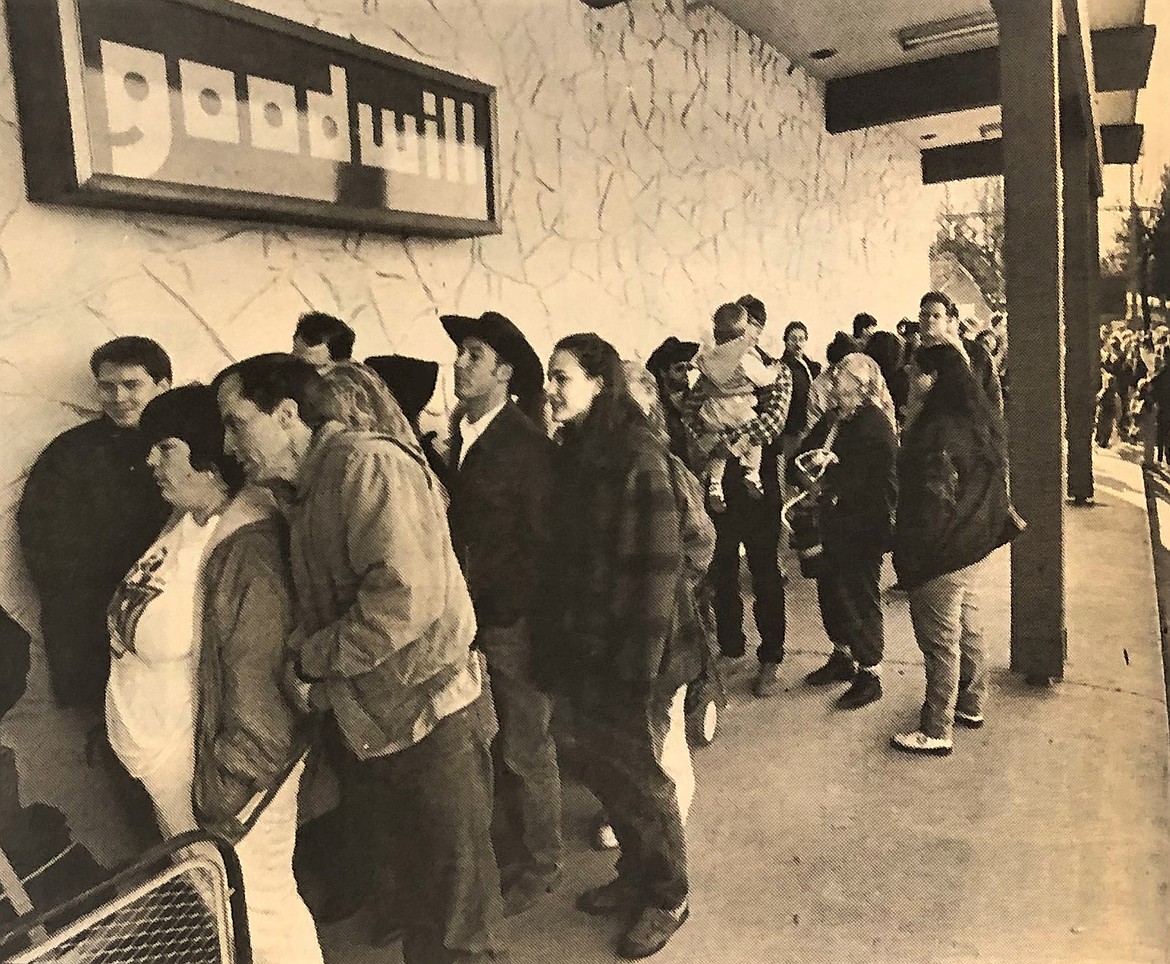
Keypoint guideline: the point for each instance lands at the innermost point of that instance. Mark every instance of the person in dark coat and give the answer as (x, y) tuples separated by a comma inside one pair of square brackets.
[(752, 524), (609, 643), (412, 382), (858, 494), (953, 511), (670, 364), (501, 487), (89, 509), (938, 319), (886, 349)]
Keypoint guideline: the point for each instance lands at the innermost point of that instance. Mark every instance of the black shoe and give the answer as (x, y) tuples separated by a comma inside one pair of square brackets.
[(866, 689), (616, 897), (839, 669), (969, 721), (528, 888), (651, 931)]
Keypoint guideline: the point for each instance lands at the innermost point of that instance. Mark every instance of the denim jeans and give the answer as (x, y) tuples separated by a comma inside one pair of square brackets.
[(948, 626), (528, 779), (429, 809), (620, 741)]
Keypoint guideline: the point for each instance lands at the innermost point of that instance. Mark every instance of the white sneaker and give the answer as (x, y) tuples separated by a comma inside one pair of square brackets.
[(970, 721), (919, 742)]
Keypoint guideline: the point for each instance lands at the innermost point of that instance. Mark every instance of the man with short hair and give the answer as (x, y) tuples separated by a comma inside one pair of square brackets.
[(938, 320), (500, 480), (754, 523), (864, 325), (322, 340), (90, 508), (382, 645)]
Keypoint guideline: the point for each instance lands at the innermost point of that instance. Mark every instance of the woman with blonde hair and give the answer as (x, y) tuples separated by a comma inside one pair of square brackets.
[(857, 497)]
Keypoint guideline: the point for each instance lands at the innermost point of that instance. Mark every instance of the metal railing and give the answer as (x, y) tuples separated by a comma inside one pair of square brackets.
[(180, 904)]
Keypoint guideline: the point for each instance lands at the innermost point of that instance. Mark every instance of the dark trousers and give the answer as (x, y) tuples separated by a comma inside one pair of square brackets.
[(619, 749), (528, 780), (851, 609), (428, 809), (754, 524)]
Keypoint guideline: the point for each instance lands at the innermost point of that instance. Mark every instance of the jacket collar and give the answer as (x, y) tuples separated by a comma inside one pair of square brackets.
[(322, 439)]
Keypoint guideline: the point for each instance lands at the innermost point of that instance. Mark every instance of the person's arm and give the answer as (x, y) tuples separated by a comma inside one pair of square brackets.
[(250, 601), (392, 532), (46, 521), (771, 414), (648, 565)]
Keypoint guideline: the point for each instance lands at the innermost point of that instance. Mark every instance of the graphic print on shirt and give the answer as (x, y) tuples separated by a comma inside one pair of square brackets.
[(142, 585)]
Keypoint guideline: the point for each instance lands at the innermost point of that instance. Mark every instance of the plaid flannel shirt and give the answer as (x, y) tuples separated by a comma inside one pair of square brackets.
[(771, 412)]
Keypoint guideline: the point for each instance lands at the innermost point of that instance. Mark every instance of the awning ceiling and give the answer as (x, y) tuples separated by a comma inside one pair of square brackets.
[(945, 93)]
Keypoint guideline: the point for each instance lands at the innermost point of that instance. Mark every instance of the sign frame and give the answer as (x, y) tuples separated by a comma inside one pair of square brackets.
[(47, 64)]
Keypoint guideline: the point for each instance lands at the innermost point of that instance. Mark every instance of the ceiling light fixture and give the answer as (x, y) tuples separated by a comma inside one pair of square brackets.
[(994, 129), (823, 54), (954, 28)]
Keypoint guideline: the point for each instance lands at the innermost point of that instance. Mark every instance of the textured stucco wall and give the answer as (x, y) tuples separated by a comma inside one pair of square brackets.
[(654, 163)]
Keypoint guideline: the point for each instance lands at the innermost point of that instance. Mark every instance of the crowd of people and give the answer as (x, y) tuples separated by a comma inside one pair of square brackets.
[(277, 567), (1133, 398)]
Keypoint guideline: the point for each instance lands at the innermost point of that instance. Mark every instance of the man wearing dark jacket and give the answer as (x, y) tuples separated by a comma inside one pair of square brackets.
[(938, 318), (500, 480), (90, 509), (753, 523)]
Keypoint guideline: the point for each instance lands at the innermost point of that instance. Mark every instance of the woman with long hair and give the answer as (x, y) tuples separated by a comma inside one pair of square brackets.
[(953, 512), (611, 644), (197, 635), (858, 493)]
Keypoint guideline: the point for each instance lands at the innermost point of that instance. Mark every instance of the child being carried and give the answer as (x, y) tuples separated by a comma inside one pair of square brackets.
[(731, 372)]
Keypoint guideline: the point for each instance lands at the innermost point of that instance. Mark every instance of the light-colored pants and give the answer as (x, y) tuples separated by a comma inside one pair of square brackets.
[(676, 754), (948, 626), (281, 928)]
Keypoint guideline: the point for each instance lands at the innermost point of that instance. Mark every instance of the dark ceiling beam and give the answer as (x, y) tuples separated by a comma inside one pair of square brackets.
[(942, 85), (1121, 57), (1120, 144), (956, 162)]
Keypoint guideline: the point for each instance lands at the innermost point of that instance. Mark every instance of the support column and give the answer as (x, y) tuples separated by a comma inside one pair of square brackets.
[(1033, 246), (1080, 310)]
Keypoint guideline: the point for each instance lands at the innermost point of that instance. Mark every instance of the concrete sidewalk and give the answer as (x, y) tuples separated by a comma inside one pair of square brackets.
[(1043, 838)]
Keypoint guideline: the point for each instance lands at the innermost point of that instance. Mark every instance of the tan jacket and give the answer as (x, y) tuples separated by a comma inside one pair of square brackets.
[(385, 619)]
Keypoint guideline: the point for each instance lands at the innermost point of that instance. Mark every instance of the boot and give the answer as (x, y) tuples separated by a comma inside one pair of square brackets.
[(866, 689), (839, 669)]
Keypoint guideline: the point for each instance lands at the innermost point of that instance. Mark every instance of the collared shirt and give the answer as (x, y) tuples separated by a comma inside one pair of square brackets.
[(469, 432)]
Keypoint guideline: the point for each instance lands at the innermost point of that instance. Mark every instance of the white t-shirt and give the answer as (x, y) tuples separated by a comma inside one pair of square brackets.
[(150, 697)]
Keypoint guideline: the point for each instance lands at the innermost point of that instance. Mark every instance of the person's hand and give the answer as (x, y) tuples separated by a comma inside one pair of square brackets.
[(298, 691)]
